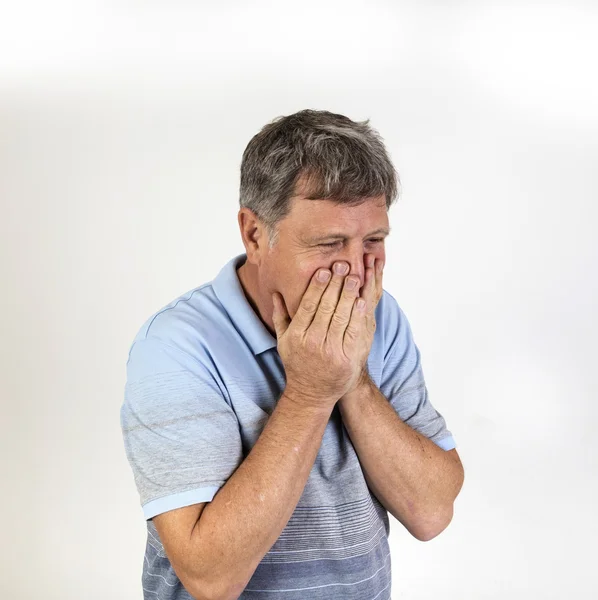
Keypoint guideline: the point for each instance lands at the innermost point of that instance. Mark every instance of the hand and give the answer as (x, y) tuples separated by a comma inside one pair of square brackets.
[(325, 346), (371, 293)]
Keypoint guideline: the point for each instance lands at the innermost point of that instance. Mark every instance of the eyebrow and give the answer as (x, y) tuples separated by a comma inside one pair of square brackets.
[(339, 236)]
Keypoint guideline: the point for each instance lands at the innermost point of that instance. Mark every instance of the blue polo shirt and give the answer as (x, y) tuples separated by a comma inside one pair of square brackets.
[(203, 377)]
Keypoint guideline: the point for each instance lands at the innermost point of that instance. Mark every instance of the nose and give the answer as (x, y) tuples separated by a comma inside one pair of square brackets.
[(356, 259), (358, 268)]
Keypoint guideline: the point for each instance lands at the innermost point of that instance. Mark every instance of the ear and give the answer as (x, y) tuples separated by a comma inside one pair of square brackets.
[(253, 234)]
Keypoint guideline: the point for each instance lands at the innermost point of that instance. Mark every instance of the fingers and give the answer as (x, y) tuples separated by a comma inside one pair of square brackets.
[(379, 276), (357, 323), (327, 306), (369, 282), (372, 287), (342, 314), (328, 303), (280, 315), (371, 294), (311, 300)]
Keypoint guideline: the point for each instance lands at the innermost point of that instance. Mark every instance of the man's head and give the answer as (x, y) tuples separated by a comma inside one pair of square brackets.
[(315, 189)]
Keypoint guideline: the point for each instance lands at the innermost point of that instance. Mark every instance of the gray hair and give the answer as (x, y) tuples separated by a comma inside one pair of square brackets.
[(329, 155)]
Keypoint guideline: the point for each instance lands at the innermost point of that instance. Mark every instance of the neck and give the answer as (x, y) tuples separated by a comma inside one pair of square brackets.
[(248, 278)]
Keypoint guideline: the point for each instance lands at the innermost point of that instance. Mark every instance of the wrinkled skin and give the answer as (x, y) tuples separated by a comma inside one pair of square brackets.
[(289, 267)]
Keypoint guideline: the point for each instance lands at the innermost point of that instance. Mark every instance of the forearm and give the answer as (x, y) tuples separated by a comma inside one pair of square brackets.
[(249, 512), (416, 480)]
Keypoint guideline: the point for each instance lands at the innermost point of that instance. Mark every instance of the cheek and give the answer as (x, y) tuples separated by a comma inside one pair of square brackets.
[(381, 254), (378, 254)]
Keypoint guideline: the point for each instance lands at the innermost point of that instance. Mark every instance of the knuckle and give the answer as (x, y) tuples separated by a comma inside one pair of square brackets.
[(327, 307), (309, 305), (338, 320), (350, 331)]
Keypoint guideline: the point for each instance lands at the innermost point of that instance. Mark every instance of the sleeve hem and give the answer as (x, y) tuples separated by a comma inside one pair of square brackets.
[(173, 501), (446, 443)]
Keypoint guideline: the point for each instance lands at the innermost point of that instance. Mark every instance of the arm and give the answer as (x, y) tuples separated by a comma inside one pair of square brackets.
[(215, 548), (415, 480), (215, 556)]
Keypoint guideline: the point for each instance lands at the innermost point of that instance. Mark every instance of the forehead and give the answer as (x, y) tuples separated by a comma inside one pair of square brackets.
[(324, 217)]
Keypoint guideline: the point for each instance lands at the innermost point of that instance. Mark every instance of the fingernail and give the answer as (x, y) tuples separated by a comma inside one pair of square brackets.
[(341, 268), (351, 284), (324, 275)]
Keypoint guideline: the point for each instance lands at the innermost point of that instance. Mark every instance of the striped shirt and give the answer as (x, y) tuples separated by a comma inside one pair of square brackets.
[(203, 376)]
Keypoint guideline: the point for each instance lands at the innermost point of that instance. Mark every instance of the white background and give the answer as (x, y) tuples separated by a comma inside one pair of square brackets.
[(122, 126)]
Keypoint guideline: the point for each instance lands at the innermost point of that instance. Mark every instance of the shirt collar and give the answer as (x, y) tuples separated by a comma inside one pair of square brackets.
[(229, 292)]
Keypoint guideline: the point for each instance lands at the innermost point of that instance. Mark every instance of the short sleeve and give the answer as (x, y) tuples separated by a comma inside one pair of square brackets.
[(181, 437), (402, 381)]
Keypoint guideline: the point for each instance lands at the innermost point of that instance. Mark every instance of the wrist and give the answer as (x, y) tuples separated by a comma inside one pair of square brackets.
[(362, 387), (308, 401), (364, 381)]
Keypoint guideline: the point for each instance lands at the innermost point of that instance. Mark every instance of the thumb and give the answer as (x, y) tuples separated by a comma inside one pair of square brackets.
[(280, 316)]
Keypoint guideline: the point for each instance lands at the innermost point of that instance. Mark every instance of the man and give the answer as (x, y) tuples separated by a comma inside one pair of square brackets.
[(275, 414)]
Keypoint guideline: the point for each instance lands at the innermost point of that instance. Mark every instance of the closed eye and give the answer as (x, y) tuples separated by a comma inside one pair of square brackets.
[(332, 244)]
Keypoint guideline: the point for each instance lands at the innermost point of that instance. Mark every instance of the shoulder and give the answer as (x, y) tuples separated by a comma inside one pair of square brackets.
[(185, 313), (180, 331), (392, 325)]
